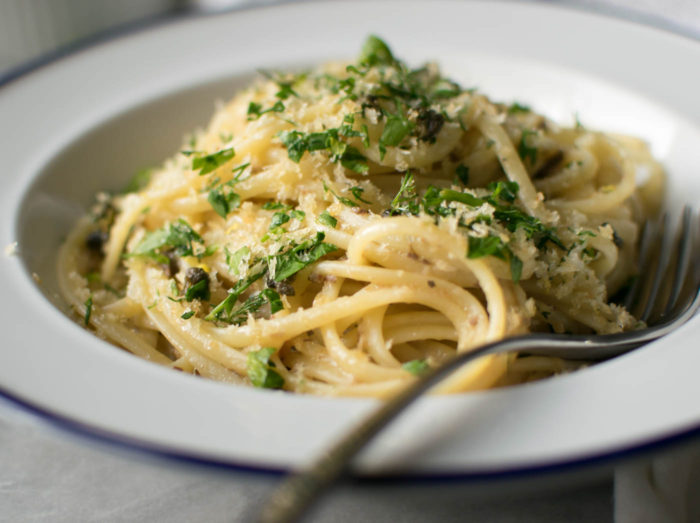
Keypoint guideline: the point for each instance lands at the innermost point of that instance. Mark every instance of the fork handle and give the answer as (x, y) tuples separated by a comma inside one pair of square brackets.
[(299, 491)]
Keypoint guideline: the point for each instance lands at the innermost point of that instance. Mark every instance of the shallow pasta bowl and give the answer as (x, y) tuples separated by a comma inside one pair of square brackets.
[(89, 121)]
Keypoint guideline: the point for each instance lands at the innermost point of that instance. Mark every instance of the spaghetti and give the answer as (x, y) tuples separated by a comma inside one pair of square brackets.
[(340, 231)]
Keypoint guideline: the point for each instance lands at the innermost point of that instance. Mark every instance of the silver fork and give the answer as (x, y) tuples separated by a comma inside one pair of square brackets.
[(664, 301)]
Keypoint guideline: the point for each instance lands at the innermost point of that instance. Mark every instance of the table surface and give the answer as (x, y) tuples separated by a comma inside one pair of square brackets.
[(48, 474)]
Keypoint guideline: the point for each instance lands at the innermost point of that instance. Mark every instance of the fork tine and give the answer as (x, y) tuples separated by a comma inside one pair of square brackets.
[(651, 269), (686, 239), (645, 252)]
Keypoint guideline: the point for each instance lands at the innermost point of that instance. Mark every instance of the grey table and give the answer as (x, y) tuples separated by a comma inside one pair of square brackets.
[(50, 474)]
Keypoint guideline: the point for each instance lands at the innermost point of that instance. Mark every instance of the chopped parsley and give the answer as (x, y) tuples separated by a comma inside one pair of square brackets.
[(275, 206), (253, 304), (139, 181), (224, 309), (357, 194), (187, 315), (416, 367), (281, 266), (261, 371), (506, 191), (233, 260), (88, 310), (397, 128), (356, 191), (210, 162), (462, 173), (197, 291), (255, 110), (299, 256), (279, 218), (326, 219), (298, 143), (223, 201), (177, 238), (406, 200), (516, 107), (494, 246), (376, 52), (526, 151)]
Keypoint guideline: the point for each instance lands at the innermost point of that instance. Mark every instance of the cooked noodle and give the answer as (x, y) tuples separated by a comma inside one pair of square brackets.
[(339, 231)]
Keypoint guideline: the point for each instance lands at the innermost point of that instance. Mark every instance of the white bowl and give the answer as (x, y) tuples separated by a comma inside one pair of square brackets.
[(87, 122)]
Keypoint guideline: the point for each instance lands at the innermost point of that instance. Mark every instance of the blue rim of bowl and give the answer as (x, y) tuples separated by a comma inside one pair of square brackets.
[(135, 445)]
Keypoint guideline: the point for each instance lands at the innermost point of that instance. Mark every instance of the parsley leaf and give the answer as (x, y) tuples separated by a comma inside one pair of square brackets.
[(326, 219), (516, 268), (178, 237), (198, 291), (253, 304), (285, 91), (450, 195), (210, 162), (275, 206), (224, 309), (406, 200), (494, 246), (299, 256), (342, 199), (139, 181), (506, 191), (223, 202), (463, 174), (376, 52), (357, 193), (516, 107), (261, 370), (298, 143), (397, 127), (354, 160), (416, 367), (233, 260), (187, 315), (525, 151), (255, 110), (279, 218), (88, 310), (486, 246)]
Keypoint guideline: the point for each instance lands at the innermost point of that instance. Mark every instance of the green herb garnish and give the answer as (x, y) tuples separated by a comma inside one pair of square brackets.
[(223, 202), (88, 310), (139, 181), (253, 304), (299, 256), (210, 162), (406, 200), (397, 128), (326, 219), (198, 291), (494, 246), (255, 110), (276, 206), (376, 52), (298, 143), (416, 367), (462, 173), (516, 107), (261, 370), (525, 151), (177, 237), (233, 260)]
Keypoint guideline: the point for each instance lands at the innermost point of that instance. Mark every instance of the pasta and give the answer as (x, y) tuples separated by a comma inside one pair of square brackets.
[(339, 231)]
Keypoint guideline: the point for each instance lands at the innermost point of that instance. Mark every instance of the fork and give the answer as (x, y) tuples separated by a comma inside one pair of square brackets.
[(664, 301)]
